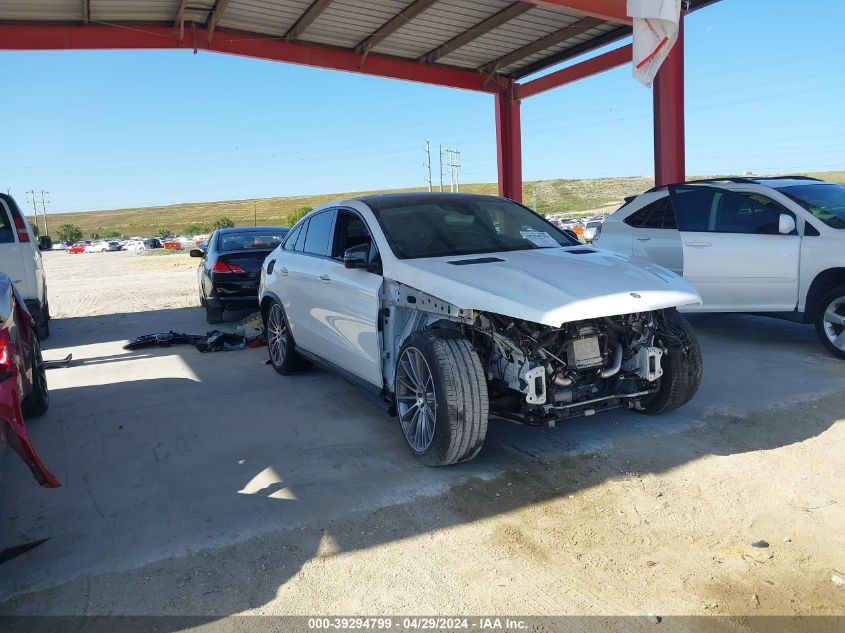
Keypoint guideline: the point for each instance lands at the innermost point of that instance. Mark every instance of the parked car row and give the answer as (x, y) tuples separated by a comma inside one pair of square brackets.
[(108, 246)]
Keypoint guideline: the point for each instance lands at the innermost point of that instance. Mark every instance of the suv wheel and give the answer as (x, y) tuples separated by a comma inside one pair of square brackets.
[(441, 397), (830, 321), (280, 344), (681, 366)]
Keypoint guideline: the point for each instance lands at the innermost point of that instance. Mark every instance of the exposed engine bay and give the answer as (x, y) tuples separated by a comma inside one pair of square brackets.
[(538, 374)]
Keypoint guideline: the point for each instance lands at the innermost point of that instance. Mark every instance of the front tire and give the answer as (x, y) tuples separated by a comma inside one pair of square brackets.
[(37, 402), (682, 366), (280, 343), (830, 321), (441, 397)]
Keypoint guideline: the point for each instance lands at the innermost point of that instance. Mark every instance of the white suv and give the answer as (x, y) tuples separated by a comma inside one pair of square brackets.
[(763, 245), (449, 307), (20, 259)]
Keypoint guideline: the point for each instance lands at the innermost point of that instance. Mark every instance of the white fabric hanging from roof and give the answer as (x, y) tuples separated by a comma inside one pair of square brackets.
[(656, 24)]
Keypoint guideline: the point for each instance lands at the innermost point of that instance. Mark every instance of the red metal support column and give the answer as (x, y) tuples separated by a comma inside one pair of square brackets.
[(669, 158), (509, 143)]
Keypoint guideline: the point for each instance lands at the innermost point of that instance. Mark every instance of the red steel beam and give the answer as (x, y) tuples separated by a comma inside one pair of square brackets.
[(587, 68), (57, 37), (509, 143), (607, 10), (669, 150)]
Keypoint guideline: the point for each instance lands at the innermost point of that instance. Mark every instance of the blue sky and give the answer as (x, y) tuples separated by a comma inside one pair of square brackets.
[(765, 93)]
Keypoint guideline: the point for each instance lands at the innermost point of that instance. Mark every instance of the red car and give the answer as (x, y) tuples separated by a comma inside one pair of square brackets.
[(23, 380), (79, 247)]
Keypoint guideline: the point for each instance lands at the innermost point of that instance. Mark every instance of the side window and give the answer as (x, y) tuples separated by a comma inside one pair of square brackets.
[(712, 210), (299, 246), (318, 238), (655, 215), (7, 231), (290, 240), (350, 230)]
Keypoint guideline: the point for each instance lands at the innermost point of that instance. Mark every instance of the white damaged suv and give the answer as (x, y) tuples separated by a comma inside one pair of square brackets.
[(452, 307)]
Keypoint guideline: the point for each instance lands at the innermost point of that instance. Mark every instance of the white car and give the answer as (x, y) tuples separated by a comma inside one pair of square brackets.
[(20, 260), (763, 245), (591, 228), (450, 307), (103, 246)]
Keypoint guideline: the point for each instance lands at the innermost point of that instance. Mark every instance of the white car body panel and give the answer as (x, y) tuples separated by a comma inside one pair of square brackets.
[(735, 272), (21, 261)]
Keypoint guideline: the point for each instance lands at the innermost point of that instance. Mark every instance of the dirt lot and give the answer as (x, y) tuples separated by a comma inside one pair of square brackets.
[(208, 485)]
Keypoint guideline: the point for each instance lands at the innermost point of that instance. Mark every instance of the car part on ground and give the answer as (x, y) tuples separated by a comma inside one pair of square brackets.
[(452, 307), (23, 380)]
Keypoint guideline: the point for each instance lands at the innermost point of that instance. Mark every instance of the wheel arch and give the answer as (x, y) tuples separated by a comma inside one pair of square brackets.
[(266, 301), (823, 282)]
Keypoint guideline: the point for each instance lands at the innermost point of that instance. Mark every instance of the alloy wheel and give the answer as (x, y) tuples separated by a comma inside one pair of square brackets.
[(834, 322), (416, 399), (277, 334)]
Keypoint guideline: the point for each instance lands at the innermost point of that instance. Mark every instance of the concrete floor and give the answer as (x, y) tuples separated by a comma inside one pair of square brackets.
[(165, 453)]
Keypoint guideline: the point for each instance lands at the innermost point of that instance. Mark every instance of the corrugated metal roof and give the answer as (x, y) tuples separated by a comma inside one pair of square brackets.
[(347, 23)]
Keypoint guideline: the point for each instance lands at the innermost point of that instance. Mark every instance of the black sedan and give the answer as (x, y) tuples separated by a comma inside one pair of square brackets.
[(231, 267)]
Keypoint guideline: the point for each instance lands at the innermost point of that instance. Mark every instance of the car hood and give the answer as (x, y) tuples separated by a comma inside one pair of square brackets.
[(549, 285)]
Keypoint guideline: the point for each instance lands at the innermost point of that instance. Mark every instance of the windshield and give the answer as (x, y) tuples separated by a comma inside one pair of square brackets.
[(252, 239), (443, 225), (825, 201)]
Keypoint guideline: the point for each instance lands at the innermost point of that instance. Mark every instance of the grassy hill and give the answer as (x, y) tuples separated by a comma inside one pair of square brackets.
[(551, 195)]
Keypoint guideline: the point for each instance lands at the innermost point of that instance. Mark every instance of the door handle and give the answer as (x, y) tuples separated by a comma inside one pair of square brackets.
[(643, 238), (698, 244), (283, 271), (325, 278)]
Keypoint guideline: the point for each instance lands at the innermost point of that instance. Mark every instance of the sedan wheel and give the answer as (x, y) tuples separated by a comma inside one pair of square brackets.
[(416, 399)]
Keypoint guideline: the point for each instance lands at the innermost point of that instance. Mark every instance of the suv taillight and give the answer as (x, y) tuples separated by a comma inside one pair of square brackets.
[(223, 267), (23, 234)]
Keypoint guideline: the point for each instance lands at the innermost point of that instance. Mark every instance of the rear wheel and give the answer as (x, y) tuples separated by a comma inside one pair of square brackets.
[(280, 344), (681, 366), (213, 315), (830, 321), (37, 401), (441, 397)]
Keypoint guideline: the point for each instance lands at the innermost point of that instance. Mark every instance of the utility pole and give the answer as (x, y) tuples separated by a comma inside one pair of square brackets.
[(31, 194), (254, 214), (534, 198), (427, 164), (44, 211), (440, 155)]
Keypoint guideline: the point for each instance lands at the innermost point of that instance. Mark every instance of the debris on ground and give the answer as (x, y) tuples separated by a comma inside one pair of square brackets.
[(761, 543), (251, 327), (838, 579), (653, 619), (58, 364), (214, 341), (163, 339)]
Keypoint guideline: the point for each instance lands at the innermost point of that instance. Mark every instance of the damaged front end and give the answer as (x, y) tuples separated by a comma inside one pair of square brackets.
[(540, 375)]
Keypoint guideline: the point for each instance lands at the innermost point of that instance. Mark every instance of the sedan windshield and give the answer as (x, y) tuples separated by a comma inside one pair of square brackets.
[(251, 239), (825, 201), (439, 225)]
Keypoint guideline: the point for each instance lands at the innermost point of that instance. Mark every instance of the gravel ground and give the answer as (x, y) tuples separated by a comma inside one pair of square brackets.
[(88, 284), (650, 520)]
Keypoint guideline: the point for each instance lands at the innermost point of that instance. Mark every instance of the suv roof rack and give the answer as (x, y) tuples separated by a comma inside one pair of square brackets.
[(746, 180)]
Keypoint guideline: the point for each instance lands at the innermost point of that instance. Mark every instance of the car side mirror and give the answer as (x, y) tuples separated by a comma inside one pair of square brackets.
[(786, 224), (195, 252), (358, 256), (45, 242)]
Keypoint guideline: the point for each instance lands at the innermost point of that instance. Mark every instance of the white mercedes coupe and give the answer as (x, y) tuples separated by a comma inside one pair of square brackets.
[(450, 308)]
